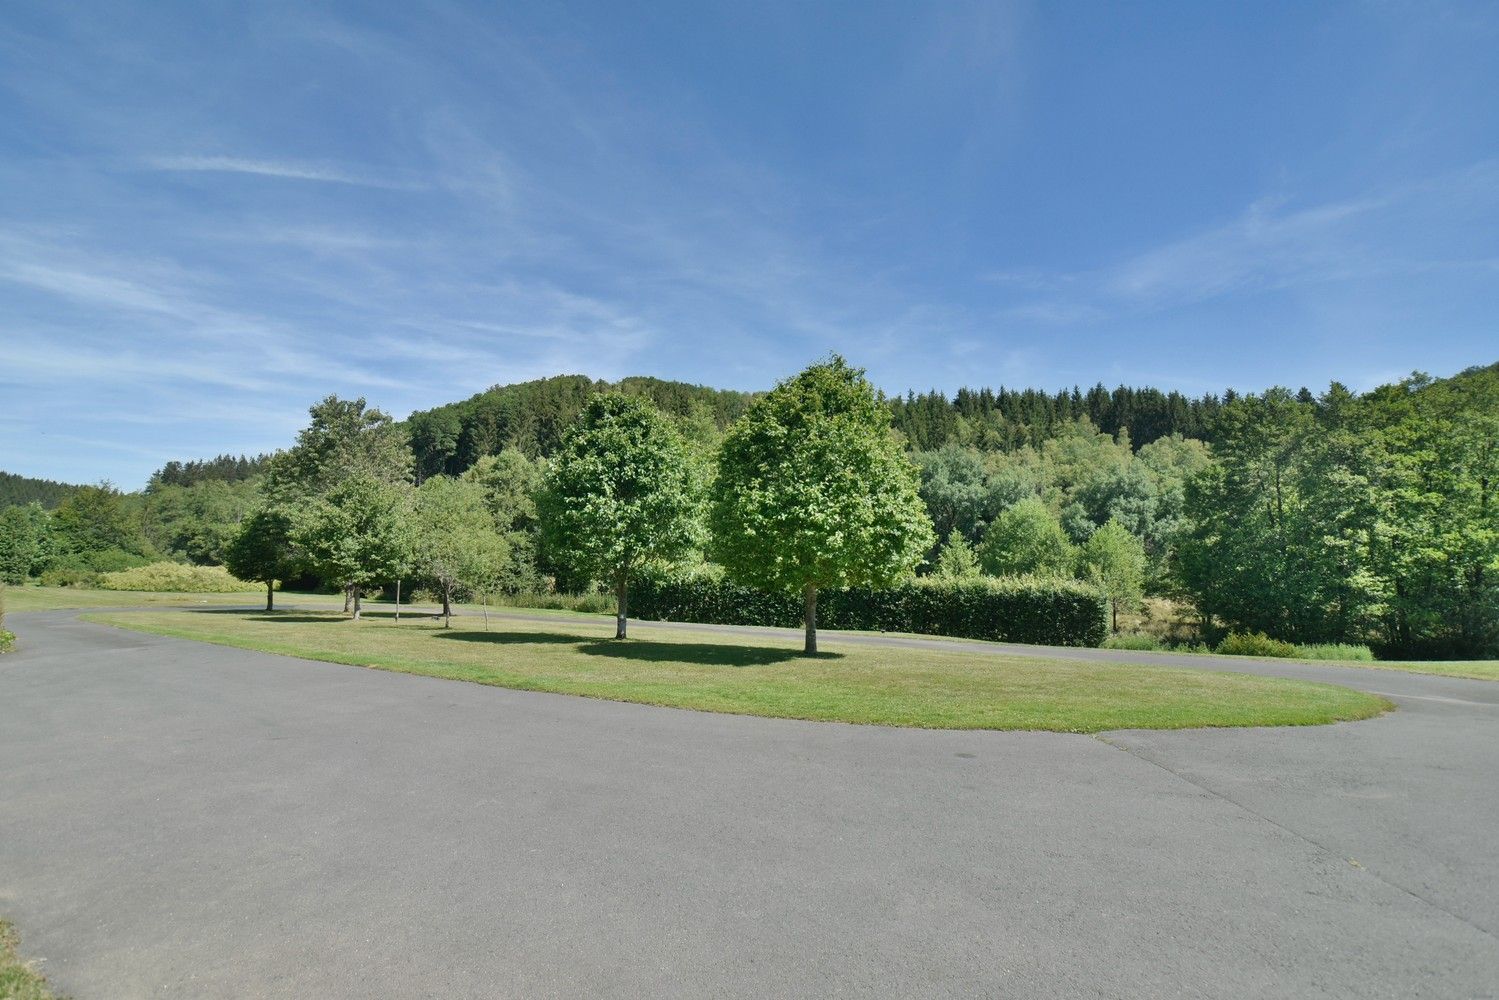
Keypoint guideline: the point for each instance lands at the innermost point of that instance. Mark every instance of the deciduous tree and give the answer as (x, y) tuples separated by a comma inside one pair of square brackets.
[(814, 490), (620, 494)]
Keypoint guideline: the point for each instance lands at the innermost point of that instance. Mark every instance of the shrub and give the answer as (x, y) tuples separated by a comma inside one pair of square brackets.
[(69, 576), (1018, 609), (7, 639), (1127, 641), (170, 576), (1254, 644), (1336, 651)]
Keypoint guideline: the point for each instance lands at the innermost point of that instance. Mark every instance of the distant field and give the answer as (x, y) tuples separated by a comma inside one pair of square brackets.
[(752, 675)]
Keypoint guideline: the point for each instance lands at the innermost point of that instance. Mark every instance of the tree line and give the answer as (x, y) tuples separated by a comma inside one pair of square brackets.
[(1332, 517)]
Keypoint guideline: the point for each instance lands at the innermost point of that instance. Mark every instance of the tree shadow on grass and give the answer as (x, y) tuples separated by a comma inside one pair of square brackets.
[(708, 654), (514, 638), (289, 617)]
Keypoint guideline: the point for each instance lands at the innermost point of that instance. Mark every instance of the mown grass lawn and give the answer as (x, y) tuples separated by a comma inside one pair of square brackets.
[(938, 689)]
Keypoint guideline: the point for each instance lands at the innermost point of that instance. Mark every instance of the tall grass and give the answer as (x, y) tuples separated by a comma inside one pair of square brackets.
[(1336, 651)]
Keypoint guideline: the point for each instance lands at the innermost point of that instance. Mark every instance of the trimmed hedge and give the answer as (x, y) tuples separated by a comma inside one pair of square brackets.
[(1045, 612)]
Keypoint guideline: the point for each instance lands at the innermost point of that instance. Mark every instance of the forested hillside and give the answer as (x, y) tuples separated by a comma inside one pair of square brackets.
[(531, 416), (1332, 517), (16, 489)]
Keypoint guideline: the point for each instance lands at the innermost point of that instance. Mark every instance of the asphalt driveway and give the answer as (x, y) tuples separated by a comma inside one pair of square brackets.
[(183, 820)]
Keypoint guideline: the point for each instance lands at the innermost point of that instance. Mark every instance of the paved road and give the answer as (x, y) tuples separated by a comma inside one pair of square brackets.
[(185, 820)]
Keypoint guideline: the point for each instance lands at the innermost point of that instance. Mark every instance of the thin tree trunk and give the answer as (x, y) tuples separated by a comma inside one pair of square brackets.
[(810, 618), (270, 589), (485, 598), (622, 608), (398, 600), (357, 596), (348, 597), (1114, 606), (447, 606)]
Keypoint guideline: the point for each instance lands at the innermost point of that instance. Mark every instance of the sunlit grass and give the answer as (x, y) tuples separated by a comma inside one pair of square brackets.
[(754, 675)]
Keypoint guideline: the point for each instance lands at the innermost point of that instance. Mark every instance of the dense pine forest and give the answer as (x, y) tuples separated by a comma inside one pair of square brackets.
[(1310, 517)]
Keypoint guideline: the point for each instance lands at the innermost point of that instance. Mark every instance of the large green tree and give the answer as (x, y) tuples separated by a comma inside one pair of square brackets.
[(358, 534), (261, 549), (454, 540), (345, 438), (621, 493), (510, 482), (1113, 559), (1026, 538), (814, 490), (24, 542), (96, 519), (1283, 525)]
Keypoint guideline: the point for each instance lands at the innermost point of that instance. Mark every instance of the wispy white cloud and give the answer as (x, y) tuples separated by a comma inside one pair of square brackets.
[(284, 169), (1272, 245)]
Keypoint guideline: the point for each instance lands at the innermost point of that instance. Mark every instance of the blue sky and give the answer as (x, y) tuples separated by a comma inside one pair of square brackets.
[(213, 214)]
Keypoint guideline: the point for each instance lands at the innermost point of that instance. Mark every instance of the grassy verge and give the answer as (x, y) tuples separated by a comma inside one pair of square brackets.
[(1478, 670), (941, 689), (63, 598), (18, 980)]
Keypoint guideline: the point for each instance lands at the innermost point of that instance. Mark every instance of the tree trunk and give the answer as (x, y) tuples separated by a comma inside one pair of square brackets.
[(398, 600), (357, 596), (270, 589), (348, 597), (1114, 607), (810, 618), (622, 604), (447, 607)]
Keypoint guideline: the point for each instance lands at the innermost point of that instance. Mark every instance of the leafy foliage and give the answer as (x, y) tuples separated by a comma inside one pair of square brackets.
[(956, 560), (621, 494), (1254, 644), (262, 550), (1053, 612), (814, 491), (1027, 539), (1113, 559), (358, 534), (25, 542), (345, 439), (454, 540)]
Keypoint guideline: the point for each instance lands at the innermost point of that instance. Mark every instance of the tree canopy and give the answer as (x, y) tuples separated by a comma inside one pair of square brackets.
[(621, 493), (814, 490)]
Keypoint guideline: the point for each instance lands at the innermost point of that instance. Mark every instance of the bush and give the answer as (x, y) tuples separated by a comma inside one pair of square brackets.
[(69, 576), (1254, 644), (1019, 609), (7, 641), (170, 576), (1336, 651), (1127, 641)]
